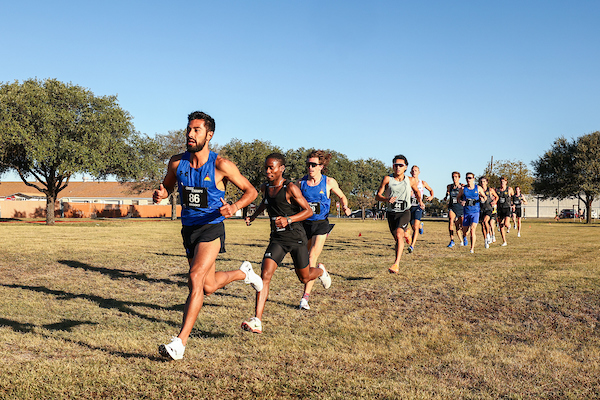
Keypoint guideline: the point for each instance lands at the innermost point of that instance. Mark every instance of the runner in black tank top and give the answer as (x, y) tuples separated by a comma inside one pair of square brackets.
[(287, 207)]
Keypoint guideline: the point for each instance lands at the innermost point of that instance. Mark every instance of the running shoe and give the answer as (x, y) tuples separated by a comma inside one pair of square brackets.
[(304, 304), (421, 229), (325, 278), (465, 242), (451, 243), (393, 269), (487, 244), (493, 238), (174, 350), (519, 234), (410, 249), (254, 325), (504, 244), (472, 251), (251, 278)]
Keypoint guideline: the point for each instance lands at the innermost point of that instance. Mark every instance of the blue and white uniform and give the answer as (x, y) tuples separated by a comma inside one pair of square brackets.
[(200, 201), (318, 223), (472, 208)]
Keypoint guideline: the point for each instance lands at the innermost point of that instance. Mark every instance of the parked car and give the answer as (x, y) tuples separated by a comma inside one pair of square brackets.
[(358, 214), (566, 213)]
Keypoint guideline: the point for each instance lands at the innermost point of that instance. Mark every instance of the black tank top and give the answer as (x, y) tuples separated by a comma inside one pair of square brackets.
[(278, 206), (504, 198), (517, 200), (487, 205)]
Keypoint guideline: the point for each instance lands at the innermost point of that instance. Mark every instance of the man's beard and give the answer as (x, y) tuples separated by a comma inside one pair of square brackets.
[(198, 147)]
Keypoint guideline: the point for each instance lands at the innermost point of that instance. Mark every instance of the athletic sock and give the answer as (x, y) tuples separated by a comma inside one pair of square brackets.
[(306, 296)]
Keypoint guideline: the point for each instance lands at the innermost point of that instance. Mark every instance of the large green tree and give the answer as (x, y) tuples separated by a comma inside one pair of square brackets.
[(50, 130), (516, 173), (571, 168)]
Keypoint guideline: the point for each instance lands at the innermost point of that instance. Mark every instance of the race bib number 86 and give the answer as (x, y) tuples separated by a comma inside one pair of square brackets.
[(195, 197)]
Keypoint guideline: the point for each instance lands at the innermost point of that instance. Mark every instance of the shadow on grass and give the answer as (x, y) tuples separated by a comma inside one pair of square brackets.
[(120, 273), (123, 306), (65, 325)]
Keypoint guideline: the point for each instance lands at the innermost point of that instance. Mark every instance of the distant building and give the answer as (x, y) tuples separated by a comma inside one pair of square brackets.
[(81, 200)]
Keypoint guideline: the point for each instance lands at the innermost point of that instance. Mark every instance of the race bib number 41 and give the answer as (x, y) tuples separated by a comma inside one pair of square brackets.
[(195, 197)]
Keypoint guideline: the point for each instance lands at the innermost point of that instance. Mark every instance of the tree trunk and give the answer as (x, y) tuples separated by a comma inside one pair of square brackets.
[(174, 196), (588, 209), (50, 200)]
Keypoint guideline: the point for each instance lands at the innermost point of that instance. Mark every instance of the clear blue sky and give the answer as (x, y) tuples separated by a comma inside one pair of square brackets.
[(449, 84)]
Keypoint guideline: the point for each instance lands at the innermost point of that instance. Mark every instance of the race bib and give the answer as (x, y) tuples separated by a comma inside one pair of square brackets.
[(195, 197), (453, 200), (316, 207), (400, 205), (414, 201), (502, 200)]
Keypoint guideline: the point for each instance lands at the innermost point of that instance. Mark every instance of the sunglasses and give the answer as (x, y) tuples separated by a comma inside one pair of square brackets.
[(399, 165), (470, 177), (312, 164)]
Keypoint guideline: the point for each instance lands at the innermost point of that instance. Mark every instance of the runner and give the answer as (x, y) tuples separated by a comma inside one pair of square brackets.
[(287, 208), (395, 190), (455, 209), (518, 199), (316, 189), (470, 197), (505, 194), (201, 177), (486, 211), (416, 210)]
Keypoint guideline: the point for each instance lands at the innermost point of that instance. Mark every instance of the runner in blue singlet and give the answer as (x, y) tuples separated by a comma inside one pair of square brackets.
[(316, 188), (201, 177), (470, 196)]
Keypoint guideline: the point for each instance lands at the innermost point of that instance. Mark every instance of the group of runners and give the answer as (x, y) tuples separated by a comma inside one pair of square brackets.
[(471, 204), (298, 213)]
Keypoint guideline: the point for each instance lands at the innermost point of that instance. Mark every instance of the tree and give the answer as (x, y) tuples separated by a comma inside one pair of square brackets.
[(50, 130), (250, 160), (570, 168), (516, 173), (366, 181)]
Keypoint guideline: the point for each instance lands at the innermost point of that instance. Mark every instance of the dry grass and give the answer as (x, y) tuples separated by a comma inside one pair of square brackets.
[(83, 307)]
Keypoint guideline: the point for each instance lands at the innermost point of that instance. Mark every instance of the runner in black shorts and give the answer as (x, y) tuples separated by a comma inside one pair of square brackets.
[(455, 209), (505, 194), (287, 208), (395, 190), (201, 177), (316, 189)]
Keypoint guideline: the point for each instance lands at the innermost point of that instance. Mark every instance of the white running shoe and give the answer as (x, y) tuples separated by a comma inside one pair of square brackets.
[(493, 238), (251, 278), (254, 325), (304, 304), (174, 349), (325, 278), (504, 244), (519, 234), (487, 244), (472, 251)]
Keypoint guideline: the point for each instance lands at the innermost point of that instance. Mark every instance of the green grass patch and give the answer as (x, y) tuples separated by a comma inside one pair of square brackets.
[(83, 307)]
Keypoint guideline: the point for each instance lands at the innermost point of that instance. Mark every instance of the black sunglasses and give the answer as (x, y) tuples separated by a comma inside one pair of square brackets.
[(312, 164), (399, 165)]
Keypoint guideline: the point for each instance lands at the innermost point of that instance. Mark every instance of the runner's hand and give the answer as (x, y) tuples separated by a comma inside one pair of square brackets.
[(159, 194), (227, 210)]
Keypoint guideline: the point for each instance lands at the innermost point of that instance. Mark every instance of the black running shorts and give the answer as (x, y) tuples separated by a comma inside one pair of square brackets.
[(398, 220), (192, 235)]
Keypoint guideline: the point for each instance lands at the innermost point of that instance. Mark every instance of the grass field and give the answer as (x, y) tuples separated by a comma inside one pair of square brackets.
[(83, 307)]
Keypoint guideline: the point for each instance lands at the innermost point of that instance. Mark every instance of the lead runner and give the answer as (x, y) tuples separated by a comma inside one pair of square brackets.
[(201, 177)]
